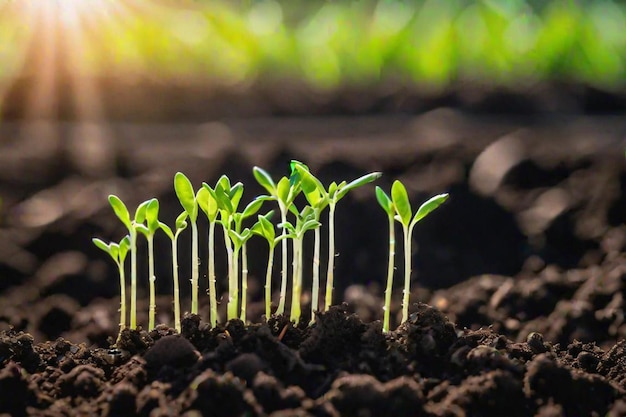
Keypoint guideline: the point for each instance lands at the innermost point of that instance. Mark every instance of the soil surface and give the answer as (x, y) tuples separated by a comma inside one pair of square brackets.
[(519, 279)]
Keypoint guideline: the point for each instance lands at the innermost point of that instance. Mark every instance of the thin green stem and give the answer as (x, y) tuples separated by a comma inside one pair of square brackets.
[(268, 283), (390, 270), (233, 286), (212, 286), (297, 281), (331, 257), (151, 279), (283, 273), (407, 274), (177, 324), (122, 298), (133, 279), (229, 256), (244, 282), (194, 268), (315, 290)]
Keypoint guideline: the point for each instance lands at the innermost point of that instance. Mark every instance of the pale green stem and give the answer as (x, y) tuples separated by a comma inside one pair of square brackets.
[(268, 283), (229, 256), (151, 279), (315, 290), (283, 273), (244, 282), (133, 279), (177, 324), (212, 286), (122, 298), (331, 257), (233, 285), (194, 268), (295, 285), (407, 274), (390, 270)]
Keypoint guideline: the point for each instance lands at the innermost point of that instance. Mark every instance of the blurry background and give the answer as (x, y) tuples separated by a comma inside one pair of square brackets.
[(514, 107)]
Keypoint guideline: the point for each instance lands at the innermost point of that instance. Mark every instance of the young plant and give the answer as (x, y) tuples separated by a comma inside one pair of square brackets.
[(305, 222), (118, 252), (208, 205), (227, 199), (387, 204), (318, 199), (187, 198), (149, 212), (284, 193), (181, 225), (329, 198), (404, 215), (122, 213), (264, 227)]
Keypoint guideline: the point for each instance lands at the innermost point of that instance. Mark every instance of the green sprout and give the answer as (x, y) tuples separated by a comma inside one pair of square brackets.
[(284, 192), (387, 204), (402, 206), (149, 211), (181, 225), (264, 227), (122, 213), (228, 199), (118, 252), (208, 205), (330, 198), (305, 221), (187, 198)]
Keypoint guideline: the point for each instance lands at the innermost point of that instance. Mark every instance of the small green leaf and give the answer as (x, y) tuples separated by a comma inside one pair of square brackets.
[(120, 210), (288, 226), (235, 195), (181, 221), (142, 229), (124, 248), (430, 205), (100, 244), (202, 198), (401, 202), (310, 225), (167, 230), (115, 251), (140, 213), (186, 195), (223, 200), (332, 189), (384, 200), (265, 180), (365, 179), (282, 189), (265, 228), (236, 238), (211, 204), (252, 208), (152, 215), (224, 182)]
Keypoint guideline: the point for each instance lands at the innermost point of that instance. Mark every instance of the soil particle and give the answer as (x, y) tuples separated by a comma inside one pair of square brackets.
[(170, 351), (16, 392), (83, 381), (546, 379)]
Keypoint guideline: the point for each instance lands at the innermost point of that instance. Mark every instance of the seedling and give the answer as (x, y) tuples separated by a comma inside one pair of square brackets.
[(304, 222), (385, 202), (187, 198), (181, 225), (330, 198), (118, 253), (208, 205), (264, 227), (122, 213), (149, 211), (402, 207), (284, 192), (227, 199)]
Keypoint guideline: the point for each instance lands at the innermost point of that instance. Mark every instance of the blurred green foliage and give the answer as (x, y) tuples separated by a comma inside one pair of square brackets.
[(430, 44)]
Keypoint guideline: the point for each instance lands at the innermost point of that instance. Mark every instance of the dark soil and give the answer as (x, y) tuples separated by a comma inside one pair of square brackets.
[(519, 292)]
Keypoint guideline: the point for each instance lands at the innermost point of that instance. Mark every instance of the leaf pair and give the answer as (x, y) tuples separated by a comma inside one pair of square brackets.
[(117, 251), (399, 206)]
